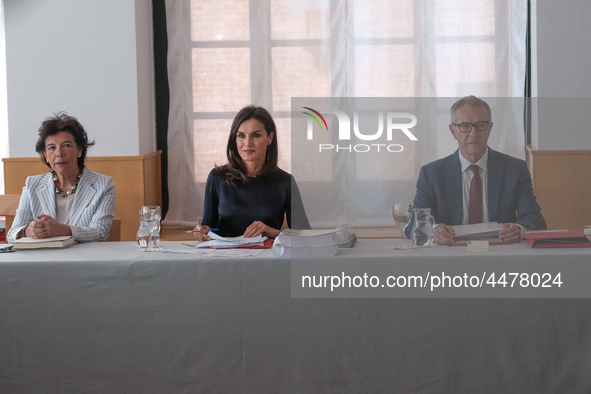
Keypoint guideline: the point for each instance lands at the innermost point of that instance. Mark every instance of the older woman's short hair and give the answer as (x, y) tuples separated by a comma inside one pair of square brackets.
[(63, 122)]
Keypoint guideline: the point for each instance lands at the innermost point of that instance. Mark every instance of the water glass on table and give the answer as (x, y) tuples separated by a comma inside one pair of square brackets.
[(148, 235), (402, 213), (422, 233)]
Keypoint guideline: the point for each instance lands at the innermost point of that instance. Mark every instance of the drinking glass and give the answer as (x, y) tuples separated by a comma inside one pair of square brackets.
[(402, 213), (423, 227), (148, 235)]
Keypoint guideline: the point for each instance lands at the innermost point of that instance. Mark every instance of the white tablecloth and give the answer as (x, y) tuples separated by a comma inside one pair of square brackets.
[(109, 318)]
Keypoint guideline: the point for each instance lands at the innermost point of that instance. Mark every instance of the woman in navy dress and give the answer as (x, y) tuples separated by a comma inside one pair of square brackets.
[(250, 195)]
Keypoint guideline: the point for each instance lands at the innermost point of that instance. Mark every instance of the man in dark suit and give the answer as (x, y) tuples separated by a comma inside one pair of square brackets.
[(477, 184)]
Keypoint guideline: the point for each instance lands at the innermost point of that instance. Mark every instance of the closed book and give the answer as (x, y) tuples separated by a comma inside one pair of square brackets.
[(43, 243), (571, 238)]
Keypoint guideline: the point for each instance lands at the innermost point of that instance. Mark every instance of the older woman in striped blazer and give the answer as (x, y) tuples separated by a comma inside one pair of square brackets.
[(70, 199)]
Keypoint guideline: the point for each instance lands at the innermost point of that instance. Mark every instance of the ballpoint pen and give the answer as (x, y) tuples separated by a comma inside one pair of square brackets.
[(196, 231)]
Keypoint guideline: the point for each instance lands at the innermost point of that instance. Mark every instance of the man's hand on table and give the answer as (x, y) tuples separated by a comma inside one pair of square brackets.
[(444, 234), (510, 233)]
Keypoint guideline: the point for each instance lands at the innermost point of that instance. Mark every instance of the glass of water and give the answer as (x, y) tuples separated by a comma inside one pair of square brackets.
[(424, 226), (148, 235), (402, 213)]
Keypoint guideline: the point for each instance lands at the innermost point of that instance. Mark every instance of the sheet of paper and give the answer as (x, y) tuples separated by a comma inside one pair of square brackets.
[(183, 249), (230, 242), (478, 246), (235, 252)]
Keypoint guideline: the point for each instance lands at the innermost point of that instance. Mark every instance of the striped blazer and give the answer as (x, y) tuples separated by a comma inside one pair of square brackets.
[(92, 210)]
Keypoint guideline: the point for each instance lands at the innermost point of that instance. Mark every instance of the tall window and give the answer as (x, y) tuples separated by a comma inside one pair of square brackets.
[(226, 54)]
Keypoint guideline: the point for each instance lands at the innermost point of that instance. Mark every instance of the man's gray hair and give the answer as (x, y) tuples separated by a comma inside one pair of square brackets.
[(472, 101)]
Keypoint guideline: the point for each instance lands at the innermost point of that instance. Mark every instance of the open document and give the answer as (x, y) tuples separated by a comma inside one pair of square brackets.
[(232, 242), (471, 232)]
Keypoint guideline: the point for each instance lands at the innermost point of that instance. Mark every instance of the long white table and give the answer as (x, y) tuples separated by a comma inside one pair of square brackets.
[(106, 317)]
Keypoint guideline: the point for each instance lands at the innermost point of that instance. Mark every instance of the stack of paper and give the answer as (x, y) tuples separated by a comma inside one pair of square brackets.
[(471, 232), (306, 243), (219, 242)]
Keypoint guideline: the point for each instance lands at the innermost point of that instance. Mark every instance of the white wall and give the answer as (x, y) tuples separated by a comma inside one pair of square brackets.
[(81, 56), (561, 60), (3, 106)]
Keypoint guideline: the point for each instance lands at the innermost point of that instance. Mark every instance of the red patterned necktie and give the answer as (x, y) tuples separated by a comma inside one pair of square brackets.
[(475, 203)]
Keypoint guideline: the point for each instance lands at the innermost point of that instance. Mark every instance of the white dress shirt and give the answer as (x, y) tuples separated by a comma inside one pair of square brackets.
[(63, 206)]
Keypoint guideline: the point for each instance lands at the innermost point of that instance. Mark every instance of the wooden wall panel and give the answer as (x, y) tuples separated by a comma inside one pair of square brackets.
[(137, 182), (562, 184)]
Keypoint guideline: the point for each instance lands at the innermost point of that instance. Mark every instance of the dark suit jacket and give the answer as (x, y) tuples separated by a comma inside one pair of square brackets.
[(510, 193)]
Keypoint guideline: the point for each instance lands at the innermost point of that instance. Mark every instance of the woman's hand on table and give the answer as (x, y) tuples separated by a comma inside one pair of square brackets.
[(200, 232), (259, 228), (45, 226)]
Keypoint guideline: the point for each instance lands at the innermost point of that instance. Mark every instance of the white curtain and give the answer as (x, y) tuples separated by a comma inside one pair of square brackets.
[(226, 54)]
